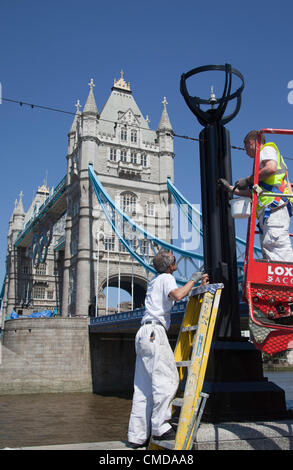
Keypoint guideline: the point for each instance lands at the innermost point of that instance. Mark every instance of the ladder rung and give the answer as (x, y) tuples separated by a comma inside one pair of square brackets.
[(189, 328), (177, 402), (183, 363)]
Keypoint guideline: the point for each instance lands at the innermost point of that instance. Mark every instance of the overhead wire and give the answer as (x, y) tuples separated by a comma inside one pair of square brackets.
[(50, 108)]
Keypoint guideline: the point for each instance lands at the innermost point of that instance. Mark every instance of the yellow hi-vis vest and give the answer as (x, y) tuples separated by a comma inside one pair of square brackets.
[(278, 180)]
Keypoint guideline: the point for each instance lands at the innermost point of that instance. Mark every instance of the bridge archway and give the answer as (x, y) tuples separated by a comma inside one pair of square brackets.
[(135, 286)]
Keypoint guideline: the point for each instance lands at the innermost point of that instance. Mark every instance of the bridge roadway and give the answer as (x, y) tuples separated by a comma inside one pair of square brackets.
[(129, 322), (53, 208)]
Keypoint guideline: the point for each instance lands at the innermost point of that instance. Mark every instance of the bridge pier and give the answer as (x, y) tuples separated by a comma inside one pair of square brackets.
[(113, 361)]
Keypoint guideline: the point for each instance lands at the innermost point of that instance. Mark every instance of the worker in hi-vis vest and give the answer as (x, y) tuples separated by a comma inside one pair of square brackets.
[(273, 214)]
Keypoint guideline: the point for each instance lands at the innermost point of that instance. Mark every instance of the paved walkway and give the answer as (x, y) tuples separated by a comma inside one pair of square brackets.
[(114, 445), (262, 435)]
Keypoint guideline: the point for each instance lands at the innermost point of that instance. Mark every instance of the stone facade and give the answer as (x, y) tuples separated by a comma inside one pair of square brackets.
[(45, 355), (132, 162)]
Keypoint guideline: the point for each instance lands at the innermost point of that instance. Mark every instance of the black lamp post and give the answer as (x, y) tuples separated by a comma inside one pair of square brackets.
[(234, 380)]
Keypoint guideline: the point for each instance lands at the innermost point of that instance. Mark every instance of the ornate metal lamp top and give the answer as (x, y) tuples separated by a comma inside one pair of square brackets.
[(215, 114)]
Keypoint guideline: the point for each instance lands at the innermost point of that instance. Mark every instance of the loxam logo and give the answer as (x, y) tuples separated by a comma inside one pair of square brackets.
[(280, 274)]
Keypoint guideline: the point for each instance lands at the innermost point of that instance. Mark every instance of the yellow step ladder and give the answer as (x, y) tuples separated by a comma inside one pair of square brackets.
[(191, 354)]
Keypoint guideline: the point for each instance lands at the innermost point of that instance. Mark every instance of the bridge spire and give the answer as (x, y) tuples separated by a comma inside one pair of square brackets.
[(18, 215), (18, 209), (90, 106), (76, 117), (165, 124)]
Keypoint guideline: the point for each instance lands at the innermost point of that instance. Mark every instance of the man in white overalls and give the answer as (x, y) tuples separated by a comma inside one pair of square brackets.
[(156, 376)]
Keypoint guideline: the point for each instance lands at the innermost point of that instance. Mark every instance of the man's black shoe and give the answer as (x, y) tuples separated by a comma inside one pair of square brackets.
[(133, 445), (167, 436)]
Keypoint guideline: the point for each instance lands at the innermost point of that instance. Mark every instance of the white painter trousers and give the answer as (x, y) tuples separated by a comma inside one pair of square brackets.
[(275, 239), (155, 384)]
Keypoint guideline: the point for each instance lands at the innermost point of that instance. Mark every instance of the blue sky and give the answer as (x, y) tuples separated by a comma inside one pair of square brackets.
[(50, 51)]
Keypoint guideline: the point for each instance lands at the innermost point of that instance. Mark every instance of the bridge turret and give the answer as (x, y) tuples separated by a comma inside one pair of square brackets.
[(165, 124), (90, 115), (89, 140), (15, 226), (166, 147), (83, 149), (73, 134), (18, 216)]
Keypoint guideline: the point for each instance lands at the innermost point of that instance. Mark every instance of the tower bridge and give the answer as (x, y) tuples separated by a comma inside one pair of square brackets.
[(105, 220), (56, 258), (98, 228)]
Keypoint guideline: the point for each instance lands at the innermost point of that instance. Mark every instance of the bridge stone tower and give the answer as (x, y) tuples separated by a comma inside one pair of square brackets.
[(61, 253), (31, 287), (15, 225), (132, 162)]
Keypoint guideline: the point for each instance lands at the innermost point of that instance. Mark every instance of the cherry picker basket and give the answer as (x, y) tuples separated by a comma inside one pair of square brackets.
[(267, 285)]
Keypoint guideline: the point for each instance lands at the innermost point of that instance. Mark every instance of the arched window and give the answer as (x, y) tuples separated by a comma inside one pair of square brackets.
[(113, 154), (151, 208), (128, 202), (133, 136), (123, 134), (143, 159), (123, 155), (109, 243), (39, 291)]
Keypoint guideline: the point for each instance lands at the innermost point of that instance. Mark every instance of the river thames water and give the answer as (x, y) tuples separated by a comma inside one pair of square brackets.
[(45, 419)]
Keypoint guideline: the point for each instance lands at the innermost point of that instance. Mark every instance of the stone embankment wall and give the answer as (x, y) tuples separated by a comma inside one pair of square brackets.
[(45, 355)]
